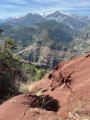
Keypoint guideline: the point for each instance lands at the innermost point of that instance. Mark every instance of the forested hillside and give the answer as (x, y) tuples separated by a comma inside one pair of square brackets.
[(50, 37), (45, 32)]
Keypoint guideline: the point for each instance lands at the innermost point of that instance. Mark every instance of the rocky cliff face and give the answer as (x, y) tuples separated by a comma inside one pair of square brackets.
[(49, 54), (82, 43)]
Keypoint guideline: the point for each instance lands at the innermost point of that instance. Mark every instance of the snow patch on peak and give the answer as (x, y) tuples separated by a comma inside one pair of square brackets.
[(53, 12), (16, 17), (46, 14)]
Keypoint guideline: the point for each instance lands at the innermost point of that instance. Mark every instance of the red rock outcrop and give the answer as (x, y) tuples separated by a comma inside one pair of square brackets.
[(68, 85)]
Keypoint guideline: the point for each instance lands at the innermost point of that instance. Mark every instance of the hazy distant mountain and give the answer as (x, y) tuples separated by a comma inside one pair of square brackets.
[(75, 22), (8, 19), (28, 20)]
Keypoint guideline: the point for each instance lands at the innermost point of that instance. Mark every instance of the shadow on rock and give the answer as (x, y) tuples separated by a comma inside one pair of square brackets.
[(43, 101)]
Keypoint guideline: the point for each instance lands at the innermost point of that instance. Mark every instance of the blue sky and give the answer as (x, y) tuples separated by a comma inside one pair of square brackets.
[(11, 8)]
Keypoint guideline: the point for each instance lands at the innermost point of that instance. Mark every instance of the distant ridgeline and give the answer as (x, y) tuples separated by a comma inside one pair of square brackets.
[(49, 39)]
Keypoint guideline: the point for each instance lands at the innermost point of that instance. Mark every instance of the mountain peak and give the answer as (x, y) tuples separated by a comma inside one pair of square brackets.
[(56, 13)]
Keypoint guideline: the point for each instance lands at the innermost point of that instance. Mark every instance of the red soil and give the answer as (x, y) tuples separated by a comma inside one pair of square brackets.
[(65, 90)]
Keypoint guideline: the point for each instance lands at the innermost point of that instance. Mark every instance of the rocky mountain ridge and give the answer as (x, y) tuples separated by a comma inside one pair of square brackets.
[(75, 22)]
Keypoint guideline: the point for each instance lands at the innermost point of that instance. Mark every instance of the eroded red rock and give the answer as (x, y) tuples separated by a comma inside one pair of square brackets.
[(68, 84)]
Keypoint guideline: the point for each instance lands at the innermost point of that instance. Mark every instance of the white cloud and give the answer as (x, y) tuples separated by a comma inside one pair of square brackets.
[(70, 3), (17, 1), (48, 1), (8, 6)]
